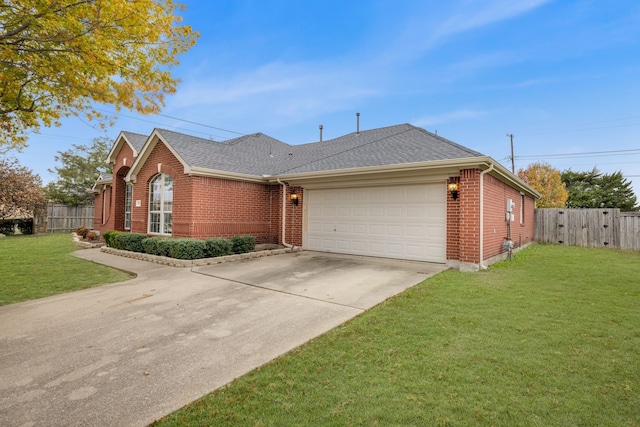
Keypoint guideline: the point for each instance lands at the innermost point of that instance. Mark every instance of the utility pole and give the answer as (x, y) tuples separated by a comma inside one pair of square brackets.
[(513, 165)]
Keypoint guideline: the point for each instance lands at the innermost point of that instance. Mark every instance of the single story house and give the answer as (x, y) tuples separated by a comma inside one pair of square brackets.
[(396, 192)]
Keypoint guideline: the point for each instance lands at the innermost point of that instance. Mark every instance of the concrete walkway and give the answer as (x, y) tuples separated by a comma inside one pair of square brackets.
[(128, 353)]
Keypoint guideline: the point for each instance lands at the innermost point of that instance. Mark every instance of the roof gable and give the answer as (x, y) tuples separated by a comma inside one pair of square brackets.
[(134, 140)]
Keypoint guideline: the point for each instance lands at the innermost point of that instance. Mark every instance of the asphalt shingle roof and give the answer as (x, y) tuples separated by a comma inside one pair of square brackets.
[(260, 154), (136, 139)]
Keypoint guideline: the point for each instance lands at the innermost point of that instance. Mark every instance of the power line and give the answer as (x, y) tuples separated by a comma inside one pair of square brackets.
[(201, 124), (175, 118), (583, 154)]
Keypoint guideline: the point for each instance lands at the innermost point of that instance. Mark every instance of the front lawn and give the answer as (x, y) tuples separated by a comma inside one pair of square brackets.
[(550, 339), (38, 266)]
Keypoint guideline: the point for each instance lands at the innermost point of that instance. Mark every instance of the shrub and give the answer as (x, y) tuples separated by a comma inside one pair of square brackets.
[(164, 246), (91, 236), (109, 237), (82, 231), (129, 242), (217, 247), (25, 225), (7, 227), (156, 245), (243, 244), (187, 248)]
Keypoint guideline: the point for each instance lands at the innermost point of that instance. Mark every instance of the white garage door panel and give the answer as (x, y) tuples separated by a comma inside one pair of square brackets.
[(405, 222)]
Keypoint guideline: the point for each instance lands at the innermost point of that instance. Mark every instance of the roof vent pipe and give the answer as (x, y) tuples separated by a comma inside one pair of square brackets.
[(357, 123), (320, 132)]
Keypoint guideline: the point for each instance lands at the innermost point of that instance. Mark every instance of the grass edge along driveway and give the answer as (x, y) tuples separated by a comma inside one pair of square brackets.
[(550, 339), (43, 265)]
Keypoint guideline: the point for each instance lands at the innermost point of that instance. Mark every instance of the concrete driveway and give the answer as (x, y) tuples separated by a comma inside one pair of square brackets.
[(132, 352)]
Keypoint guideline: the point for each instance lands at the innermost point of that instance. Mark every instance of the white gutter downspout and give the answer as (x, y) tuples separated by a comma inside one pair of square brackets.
[(481, 266), (284, 213)]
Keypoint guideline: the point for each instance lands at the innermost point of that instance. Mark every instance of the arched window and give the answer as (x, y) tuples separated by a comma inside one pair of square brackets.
[(160, 204)]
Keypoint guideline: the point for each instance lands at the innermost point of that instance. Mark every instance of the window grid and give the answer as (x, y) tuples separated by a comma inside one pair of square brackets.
[(161, 205), (127, 206)]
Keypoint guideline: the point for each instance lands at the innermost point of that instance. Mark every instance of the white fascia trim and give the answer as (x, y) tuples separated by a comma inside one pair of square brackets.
[(513, 179), (148, 147), (213, 173), (376, 169), (111, 157), (99, 183), (482, 162)]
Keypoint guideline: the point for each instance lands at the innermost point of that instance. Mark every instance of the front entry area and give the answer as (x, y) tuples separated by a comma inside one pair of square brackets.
[(401, 222)]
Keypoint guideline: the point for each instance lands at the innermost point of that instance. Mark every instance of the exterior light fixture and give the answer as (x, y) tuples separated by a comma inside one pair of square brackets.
[(294, 198), (453, 187)]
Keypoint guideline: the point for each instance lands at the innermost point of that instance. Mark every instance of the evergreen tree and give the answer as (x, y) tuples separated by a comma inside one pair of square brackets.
[(80, 167), (593, 189)]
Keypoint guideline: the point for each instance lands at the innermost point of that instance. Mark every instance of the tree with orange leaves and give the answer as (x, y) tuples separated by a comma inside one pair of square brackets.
[(547, 181)]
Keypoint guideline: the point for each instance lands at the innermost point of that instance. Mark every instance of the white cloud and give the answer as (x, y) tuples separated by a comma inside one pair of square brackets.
[(431, 27)]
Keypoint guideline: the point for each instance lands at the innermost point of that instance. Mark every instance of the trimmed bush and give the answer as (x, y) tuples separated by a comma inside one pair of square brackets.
[(217, 247), (156, 245), (129, 242), (164, 246), (109, 236), (187, 249), (243, 244)]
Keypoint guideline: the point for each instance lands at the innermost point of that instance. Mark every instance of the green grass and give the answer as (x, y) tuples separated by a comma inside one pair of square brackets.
[(38, 266), (550, 339)]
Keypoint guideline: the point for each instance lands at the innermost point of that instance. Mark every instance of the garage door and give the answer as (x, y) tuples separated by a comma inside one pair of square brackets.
[(404, 222)]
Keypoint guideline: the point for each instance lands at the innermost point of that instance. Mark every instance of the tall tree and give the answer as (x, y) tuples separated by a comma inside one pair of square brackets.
[(592, 189), (80, 166), (546, 180), (60, 58), (20, 190)]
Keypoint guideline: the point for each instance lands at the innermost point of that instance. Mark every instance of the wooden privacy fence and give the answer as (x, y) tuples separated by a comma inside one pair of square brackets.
[(588, 227), (68, 218)]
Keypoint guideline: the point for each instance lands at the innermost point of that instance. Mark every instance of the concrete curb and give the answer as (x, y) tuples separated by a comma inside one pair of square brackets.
[(173, 262)]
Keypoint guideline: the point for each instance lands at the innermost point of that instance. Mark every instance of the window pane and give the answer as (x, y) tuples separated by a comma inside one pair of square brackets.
[(167, 223), (154, 223)]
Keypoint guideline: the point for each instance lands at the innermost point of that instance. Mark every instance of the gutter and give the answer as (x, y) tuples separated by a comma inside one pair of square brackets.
[(284, 213), (481, 265)]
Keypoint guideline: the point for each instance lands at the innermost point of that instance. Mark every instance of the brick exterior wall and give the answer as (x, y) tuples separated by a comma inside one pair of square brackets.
[(202, 206), (469, 214), (102, 220), (463, 218), (496, 227), (214, 207), (453, 227), (294, 217)]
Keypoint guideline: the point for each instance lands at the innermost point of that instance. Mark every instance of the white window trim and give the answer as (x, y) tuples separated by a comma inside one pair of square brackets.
[(162, 212), (128, 199)]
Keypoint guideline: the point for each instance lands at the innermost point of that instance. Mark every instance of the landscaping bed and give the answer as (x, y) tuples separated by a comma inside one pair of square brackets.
[(186, 252)]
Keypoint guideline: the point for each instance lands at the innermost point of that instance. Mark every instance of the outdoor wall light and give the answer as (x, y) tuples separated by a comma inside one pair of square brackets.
[(294, 198), (454, 184)]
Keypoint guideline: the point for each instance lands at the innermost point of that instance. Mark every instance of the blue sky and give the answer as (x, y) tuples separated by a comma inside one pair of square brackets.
[(562, 76)]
